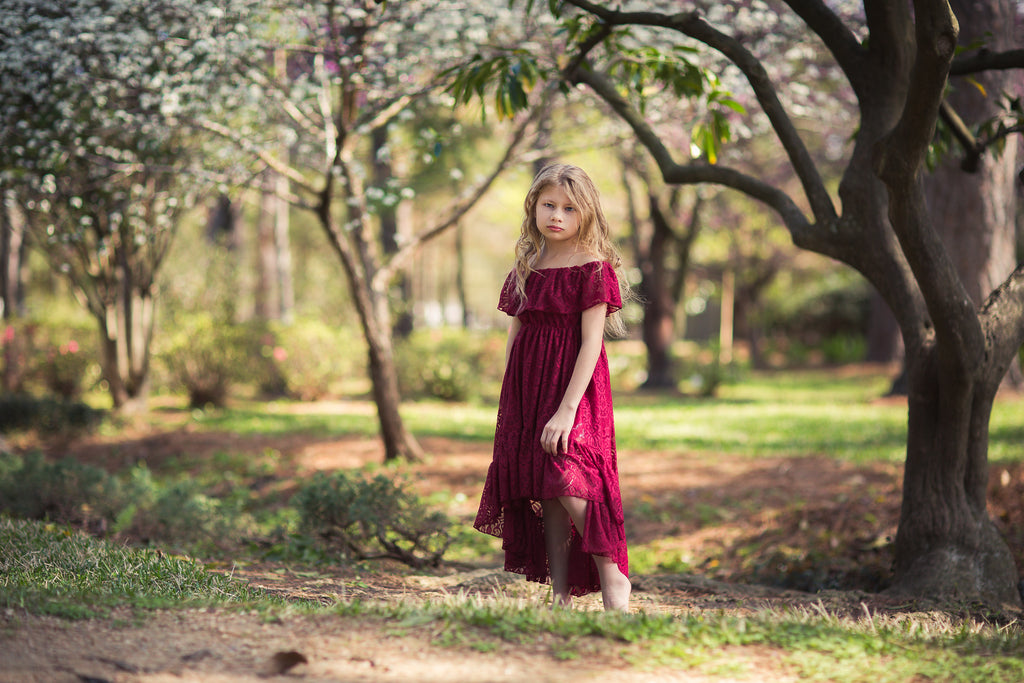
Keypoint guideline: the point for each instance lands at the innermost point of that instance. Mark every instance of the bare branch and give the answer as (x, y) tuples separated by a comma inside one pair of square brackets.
[(986, 60), (460, 208), (835, 35), (675, 173), (1002, 317)]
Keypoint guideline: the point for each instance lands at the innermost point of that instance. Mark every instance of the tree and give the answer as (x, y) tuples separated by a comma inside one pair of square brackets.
[(353, 68), (897, 64), (89, 91)]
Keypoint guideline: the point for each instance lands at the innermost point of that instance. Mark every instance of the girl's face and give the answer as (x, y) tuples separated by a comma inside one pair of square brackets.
[(558, 219)]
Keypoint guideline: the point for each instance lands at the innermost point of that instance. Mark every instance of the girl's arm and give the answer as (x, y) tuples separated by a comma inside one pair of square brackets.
[(555, 436)]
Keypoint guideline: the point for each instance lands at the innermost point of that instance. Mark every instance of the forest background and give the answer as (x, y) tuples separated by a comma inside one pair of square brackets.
[(182, 196)]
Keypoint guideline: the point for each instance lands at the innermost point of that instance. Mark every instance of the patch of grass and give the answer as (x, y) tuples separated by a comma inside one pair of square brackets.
[(809, 644), (50, 569)]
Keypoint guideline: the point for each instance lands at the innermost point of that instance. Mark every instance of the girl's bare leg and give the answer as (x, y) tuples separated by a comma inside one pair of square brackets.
[(615, 586), (556, 542)]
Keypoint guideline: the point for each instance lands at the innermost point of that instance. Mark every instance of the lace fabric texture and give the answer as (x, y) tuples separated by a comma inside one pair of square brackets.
[(521, 474)]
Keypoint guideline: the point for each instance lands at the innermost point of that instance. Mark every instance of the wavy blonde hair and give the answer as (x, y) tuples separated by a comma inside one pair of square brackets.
[(594, 235)]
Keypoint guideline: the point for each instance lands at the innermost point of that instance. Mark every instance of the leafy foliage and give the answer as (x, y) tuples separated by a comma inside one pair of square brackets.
[(364, 518), (450, 364), (204, 356)]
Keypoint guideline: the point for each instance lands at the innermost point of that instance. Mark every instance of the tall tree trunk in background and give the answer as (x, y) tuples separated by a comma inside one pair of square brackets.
[(388, 215), (267, 293), (13, 271), (974, 208)]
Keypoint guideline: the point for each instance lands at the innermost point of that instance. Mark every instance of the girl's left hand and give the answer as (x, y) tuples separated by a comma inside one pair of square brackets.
[(554, 439)]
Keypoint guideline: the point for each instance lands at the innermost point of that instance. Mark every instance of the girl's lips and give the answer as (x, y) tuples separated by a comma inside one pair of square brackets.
[(554, 228)]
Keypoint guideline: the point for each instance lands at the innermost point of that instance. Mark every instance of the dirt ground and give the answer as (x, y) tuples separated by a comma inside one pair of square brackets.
[(716, 513)]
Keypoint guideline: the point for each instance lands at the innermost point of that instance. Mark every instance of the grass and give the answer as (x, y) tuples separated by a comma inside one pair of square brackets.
[(50, 569)]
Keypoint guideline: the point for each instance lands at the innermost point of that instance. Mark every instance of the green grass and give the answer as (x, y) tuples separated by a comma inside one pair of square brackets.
[(50, 569), (767, 414)]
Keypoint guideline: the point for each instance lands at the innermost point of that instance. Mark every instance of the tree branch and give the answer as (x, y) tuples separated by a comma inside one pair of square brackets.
[(674, 173), (263, 155), (836, 36), (1002, 317), (986, 60), (459, 209), (692, 25)]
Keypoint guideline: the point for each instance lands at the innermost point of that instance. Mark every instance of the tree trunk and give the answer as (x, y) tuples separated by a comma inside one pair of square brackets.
[(946, 545), (659, 323), (375, 319), (267, 295)]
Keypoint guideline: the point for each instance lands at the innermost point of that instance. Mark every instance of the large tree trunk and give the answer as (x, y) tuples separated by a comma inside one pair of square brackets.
[(947, 545), (956, 355)]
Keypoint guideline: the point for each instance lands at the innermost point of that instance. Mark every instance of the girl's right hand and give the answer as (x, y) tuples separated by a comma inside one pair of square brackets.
[(554, 438)]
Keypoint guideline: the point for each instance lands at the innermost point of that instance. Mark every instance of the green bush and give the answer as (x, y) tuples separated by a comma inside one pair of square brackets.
[(179, 513), (21, 412), (66, 491), (364, 518), (69, 492), (451, 364), (204, 356), (306, 357)]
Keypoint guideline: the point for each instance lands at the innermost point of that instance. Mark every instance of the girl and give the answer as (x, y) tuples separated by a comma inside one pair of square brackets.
[(552, 489)]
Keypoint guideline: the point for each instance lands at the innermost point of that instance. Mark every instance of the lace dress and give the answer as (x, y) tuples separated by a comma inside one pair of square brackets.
[(540, 364)]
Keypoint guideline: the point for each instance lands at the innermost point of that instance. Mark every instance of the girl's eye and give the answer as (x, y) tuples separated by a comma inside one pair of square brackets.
[(569, 208)]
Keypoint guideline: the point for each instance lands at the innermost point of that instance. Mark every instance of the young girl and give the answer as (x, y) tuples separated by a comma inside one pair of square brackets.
[(552, 490)]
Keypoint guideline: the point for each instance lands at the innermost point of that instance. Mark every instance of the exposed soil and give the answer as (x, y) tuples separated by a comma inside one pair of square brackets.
[(751, 534)]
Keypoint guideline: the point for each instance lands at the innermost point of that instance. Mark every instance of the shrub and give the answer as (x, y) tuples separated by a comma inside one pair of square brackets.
[(65, 369), (66, 491), (204, 356), (451, 364), (74, 493), (307, 357), (371, 518), (180, 513), (18, 344), (21, 412)]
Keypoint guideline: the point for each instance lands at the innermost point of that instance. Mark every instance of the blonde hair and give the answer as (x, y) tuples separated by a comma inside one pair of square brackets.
[(594, 235)]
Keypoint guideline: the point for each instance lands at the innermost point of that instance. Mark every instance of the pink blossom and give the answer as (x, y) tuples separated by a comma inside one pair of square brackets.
[(280, 354), (9, 334), (72, 346)]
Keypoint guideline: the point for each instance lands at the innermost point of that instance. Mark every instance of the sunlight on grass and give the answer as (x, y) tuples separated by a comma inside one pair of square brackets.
[(770, 414)]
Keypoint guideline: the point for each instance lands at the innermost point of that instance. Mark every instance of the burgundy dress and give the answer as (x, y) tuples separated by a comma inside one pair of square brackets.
[(540, 364)]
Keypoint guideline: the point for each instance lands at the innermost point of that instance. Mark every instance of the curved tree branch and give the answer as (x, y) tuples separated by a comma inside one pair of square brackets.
[(460, 209), (674, 173), (692, 25), (986, 60), (1002, 317)]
